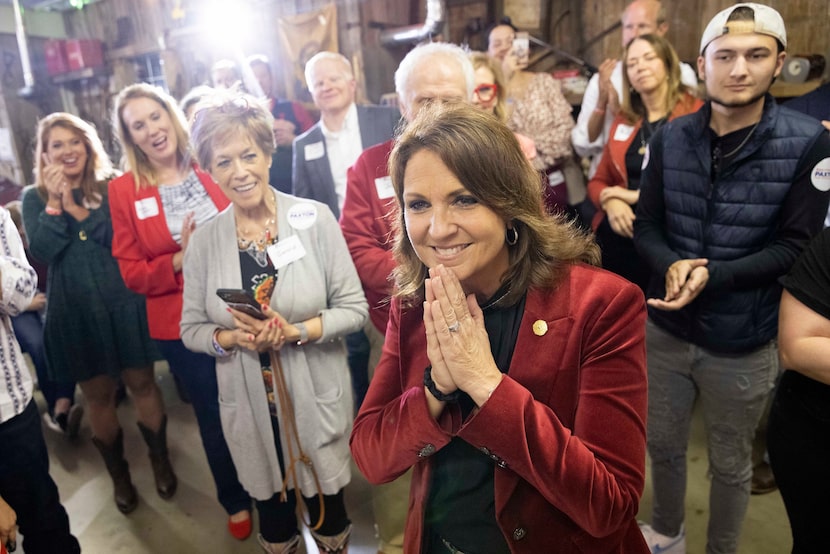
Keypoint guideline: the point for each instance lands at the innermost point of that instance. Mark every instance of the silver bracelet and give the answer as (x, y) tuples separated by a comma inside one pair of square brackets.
[(221, 352)]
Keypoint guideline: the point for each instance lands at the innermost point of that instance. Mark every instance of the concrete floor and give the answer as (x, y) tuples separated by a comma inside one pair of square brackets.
[(192, 521)]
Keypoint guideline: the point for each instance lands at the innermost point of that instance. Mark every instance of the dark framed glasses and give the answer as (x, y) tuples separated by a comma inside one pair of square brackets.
[(485, 92)]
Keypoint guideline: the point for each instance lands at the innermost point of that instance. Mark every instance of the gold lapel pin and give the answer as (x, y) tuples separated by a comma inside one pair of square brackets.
[(540, 327)]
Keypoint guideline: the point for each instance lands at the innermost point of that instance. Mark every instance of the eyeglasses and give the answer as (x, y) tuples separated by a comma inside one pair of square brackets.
[(486, 93)]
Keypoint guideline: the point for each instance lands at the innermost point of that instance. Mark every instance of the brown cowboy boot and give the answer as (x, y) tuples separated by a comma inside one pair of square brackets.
[(124, 492), (166, 481)]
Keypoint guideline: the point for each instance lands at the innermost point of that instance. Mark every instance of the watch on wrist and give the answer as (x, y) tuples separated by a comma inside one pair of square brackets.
[(430, 385), (303, 333)]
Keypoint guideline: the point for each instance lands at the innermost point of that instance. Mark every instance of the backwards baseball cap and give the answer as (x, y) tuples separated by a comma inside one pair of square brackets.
[(766, 21)]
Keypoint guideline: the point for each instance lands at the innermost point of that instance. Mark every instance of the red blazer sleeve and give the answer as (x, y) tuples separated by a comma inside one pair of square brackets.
[(583, 447), (145, 272), (394, 427)]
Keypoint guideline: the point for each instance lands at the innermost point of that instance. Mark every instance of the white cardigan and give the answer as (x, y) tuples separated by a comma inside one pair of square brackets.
[(323, 282)]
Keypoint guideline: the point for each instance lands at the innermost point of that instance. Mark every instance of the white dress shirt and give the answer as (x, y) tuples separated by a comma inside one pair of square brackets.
[(343, 148)]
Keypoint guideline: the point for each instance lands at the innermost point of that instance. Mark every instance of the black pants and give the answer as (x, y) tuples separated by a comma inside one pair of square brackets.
[(278, 519), (26, 486), (798, 441)]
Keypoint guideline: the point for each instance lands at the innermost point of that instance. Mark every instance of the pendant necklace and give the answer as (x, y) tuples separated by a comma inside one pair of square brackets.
[(261, 241), (651, 130)]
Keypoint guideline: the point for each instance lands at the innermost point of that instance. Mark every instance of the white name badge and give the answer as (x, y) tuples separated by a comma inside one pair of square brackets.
[(314, 151), (556, 178), (302, 216), (147, 207), (623, 132), (286, 251), (384, 187)]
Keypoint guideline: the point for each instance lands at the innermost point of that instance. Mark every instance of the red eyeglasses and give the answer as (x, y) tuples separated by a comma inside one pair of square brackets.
[(485, 92)]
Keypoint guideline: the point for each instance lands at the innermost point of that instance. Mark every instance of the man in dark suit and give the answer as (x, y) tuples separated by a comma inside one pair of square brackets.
[(324, 153)]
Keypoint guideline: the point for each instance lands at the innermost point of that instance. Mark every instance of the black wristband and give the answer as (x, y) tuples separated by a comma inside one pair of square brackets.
[(430, 385)]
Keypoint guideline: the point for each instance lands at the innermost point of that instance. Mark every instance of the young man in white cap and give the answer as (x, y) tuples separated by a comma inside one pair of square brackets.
[(729, 197)]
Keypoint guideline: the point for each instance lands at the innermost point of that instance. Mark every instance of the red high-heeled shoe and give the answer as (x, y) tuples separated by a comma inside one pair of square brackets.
[(240, 530)]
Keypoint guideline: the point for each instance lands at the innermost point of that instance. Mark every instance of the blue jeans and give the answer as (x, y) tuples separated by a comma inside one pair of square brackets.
[(278, 519), (733, 391), (28, 328), (26, 486), (197, 374)]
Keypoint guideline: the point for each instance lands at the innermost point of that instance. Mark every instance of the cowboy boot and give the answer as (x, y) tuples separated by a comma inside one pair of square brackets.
[(291, 546), (166, 481), (124, 492), (336, 544)]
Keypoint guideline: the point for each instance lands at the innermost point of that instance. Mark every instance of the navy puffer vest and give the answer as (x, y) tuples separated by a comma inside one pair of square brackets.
[(733, 217)]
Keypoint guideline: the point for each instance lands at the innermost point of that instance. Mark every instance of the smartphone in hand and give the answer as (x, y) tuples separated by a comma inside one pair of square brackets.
[(521, 48), (242, 300)]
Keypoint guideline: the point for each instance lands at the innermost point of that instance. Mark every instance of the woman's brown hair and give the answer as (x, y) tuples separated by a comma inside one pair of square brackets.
[(485, 156), (98, 168), (632, 108)]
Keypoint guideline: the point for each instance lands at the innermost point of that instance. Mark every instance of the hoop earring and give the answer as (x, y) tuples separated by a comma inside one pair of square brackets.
[(511, 236)]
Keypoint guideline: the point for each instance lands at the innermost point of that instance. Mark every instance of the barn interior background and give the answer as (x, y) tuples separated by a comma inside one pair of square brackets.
[(80, 53)]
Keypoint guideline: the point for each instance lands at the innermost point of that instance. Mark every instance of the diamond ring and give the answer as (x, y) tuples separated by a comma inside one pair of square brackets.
[(454, 327)]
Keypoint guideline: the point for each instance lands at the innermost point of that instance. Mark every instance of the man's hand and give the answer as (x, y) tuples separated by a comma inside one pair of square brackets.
[(284, 132), (693, 285)]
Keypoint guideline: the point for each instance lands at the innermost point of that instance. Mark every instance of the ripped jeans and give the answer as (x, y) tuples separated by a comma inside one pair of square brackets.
[(733, 390)]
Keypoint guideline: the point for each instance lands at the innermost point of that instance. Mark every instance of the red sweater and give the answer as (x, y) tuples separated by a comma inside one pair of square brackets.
[(611, 171), (567, 424), (144, 249), (366, 221)]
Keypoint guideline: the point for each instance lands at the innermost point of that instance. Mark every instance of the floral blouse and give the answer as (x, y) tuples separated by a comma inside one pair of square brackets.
[(544, 115)]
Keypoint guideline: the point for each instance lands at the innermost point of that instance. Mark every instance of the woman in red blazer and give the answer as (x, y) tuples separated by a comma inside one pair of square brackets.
[(652, 95), (158, 202), (513, 375)]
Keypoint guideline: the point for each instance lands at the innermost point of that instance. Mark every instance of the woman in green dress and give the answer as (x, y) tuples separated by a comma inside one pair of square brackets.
[(96, 328)]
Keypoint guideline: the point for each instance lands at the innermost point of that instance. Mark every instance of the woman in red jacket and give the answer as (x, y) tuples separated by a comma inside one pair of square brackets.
[(506, 357), (155, 207), (652, 95)]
